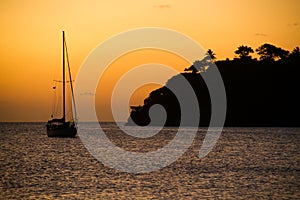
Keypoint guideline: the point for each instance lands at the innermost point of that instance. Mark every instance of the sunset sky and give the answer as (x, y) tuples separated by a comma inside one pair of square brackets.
[(31, 38)]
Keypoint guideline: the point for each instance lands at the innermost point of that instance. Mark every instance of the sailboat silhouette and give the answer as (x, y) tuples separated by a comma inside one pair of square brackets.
[(60, 127)]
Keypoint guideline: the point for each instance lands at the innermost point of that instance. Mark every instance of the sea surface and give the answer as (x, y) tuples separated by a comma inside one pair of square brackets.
[(246, 163)]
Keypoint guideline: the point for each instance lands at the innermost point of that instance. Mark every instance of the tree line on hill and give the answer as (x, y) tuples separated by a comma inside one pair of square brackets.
[(260, 92)]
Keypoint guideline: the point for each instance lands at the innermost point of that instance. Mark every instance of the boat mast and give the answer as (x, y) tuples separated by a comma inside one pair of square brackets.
[(64, 90), (71, 84)]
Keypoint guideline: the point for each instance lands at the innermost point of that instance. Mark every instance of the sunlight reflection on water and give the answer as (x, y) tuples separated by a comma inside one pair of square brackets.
[(245, 163)]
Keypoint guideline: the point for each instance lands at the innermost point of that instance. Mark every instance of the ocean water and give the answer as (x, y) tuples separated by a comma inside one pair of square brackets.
[(246, 163)]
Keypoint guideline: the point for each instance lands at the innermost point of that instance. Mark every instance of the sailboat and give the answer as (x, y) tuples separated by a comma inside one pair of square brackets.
[(60, 127)]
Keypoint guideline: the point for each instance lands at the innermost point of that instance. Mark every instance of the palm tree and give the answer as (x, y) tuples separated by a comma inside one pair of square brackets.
[(211, 54)]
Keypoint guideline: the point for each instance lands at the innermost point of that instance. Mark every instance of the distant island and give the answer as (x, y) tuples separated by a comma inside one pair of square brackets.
[(260, 92)]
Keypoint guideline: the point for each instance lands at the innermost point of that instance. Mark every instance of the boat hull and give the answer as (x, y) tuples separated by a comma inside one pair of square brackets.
[(65, 129), (63, 132)]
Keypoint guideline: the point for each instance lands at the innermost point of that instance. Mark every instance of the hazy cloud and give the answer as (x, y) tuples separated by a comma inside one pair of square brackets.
[(294, 24), (162, 6), (261, 34)]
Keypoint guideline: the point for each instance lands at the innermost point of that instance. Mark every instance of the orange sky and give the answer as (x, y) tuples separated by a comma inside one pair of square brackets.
[(31, 38)]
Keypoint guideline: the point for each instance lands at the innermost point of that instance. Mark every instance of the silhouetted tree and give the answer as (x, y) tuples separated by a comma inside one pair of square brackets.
[(211, 54), (191, 68), (266, 52), (295, 55), (269, 52), (296, 51), (243, 52), (202, 65), (282, 54)]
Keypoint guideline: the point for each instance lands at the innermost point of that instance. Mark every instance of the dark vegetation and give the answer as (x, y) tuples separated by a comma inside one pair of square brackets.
[(262, 92)]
